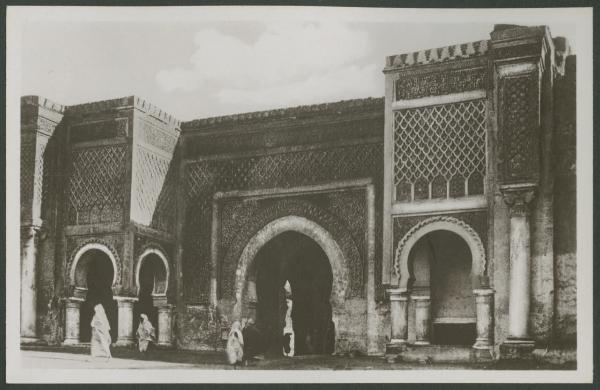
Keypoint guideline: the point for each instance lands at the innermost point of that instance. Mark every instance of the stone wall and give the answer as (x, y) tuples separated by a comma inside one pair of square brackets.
[(42, 137), (565, 206)]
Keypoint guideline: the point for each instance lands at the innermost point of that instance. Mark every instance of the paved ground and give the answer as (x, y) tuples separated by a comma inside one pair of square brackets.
[(53, 360), (72, 357)]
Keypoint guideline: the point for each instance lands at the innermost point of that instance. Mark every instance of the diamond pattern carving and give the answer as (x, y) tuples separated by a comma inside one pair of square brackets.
[(154, 192), (27, 172), (430, 143), (97, 184), (283, 170), (520, 127), (40, 157)]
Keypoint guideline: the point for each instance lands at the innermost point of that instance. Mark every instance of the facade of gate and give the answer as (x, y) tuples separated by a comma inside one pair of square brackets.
[(445, 211)]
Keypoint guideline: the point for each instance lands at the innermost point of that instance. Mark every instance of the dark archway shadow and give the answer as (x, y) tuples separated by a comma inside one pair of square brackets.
[(99, 278), (294, 257), (149, 270)]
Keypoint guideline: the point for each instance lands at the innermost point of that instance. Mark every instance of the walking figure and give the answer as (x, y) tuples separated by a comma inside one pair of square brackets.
[(100, 334)]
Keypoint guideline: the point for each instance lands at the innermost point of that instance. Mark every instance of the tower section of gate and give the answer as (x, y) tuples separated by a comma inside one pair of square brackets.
[(468, 192)]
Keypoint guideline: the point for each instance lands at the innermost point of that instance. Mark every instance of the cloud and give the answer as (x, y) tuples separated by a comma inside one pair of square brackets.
[(338, 84), (288, 63)]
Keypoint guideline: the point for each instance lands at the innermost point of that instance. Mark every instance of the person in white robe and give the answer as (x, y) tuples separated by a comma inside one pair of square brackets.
[(288, 329), (235, 344), (100, 343), (146, 333)]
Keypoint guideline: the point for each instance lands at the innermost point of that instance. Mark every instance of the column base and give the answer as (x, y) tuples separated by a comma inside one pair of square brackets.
[(421, 343), (125, 343), (31, 341), (482, 354), (71, 342), (395, 347), (164, 345), (517, 349), (482, 345)]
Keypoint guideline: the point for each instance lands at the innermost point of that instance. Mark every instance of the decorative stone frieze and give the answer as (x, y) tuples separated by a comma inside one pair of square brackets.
[(440, 83)]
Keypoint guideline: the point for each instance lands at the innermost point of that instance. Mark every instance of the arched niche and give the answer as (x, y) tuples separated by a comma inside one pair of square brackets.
[(78, 271), (454, 225), (159, 266)]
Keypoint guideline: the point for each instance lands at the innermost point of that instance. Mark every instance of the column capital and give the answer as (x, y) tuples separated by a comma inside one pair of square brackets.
[(165, 307), (483, 291), (73, 302), (397, 294), (33, 228), (125, 300), (159, 300), (518, 197)]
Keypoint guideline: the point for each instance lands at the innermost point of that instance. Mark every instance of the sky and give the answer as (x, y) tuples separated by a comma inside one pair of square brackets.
[(196, 68)]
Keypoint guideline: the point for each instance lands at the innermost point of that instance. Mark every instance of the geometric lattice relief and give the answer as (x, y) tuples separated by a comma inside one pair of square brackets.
[(97, 184), (154, 194), (27, 172), (203, 178), (283, 169), (439, 151), (38, 186), (520, 126)]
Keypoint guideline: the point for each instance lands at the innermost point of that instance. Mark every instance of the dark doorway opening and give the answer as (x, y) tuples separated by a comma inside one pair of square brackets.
[(99, 278), (149, 274), (454, 334), (296, 258)]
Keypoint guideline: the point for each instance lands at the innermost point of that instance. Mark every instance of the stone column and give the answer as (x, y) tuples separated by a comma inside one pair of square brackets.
[(73, 314), (422, 319), (164, 325), (398, 318), (483, 300), (125, 321), (28, 284), (518, 197)]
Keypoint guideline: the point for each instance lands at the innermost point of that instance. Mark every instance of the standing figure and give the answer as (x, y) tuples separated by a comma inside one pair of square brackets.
[(235, 344), (288, 330), (100, 333), (145, 333)]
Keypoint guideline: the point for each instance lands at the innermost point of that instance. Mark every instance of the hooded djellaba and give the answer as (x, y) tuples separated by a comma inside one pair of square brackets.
[(145, 333), (235, 344), (100, 344)]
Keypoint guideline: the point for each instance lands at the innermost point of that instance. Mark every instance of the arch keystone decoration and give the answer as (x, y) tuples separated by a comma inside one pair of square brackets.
[(432, 224), (160, 253)]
